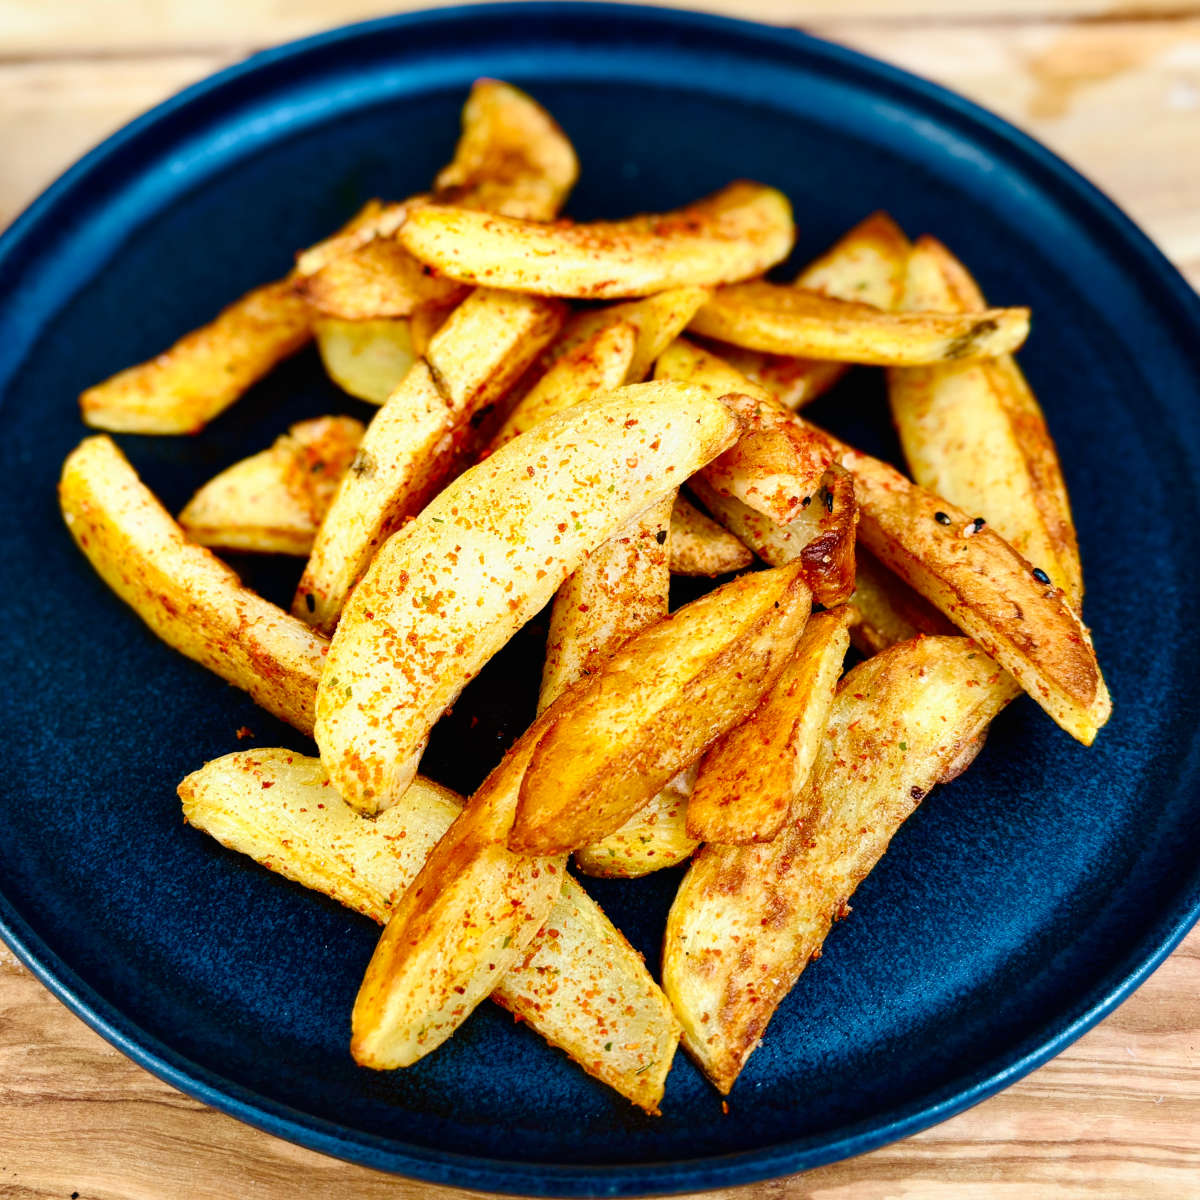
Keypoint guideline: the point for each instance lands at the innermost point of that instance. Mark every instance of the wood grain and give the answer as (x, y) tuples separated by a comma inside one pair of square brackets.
[(1115, 88)]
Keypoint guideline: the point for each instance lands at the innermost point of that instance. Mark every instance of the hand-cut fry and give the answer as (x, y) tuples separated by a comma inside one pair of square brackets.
[(273, 501), (750, 779), (885, 610), (654, 838), (654, 707), (620, 588), (512, 157), (778, 462), (411, 443), (581, 985), (866, 265), (821, 538), (597, 365), (379, 279), (368, 359), (185, 387), (987, 589), (789, 320), (187, 596), (735, 234), (748, 919), (699, 546), (443, 595), (974, 433)]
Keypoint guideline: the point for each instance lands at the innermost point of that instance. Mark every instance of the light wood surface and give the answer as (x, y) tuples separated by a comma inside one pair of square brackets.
[(1114, 88)]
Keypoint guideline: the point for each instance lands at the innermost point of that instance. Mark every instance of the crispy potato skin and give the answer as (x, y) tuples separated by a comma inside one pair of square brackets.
[(885, 610), (734, 234), (183, 592), (866, 265), (273, 501), (974, 433), (654, 708), (596, 365), (580, 985), (750, 778), (412, 443), (821, 538), (202, 374), (699, 546), (790, 320), (446, 592), (778, 462), (748, 919), (987, 589)]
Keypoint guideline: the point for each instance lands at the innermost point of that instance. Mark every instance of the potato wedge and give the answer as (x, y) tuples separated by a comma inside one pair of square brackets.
[(457, 582), (512, 157), (821, 538), (654, 838), (789, 320), (379, 279), (885, 610), (619, 589), (866, 265), (185, 387), (374, 220), (699, 546), (974, 433), (581, 985), (273, 501), (183, 592), (411, 444), (368, 359), (972, 575), (750, 779), (596, 365), (734, 234), (779, 460), (654, 708), (748, 919)]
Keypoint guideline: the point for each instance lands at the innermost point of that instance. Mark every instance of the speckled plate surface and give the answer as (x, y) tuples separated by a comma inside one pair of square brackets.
[(1016, 907)]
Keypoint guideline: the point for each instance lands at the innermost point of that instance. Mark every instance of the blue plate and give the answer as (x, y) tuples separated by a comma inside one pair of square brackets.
[(1017, 907)]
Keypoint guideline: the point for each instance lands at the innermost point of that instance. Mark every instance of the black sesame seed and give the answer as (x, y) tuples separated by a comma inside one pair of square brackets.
[(661, 536), (941, 518), (806, 502), (827, 496), (311, 601), (1040, 575), (979, 523)]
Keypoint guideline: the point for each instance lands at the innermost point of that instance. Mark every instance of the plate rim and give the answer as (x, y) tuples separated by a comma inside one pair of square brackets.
[(1139, 254)]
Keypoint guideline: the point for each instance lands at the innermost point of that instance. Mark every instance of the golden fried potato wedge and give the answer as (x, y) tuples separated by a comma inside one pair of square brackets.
[(734, 234), (866, 265), (699, 546), (512, 157), (620, 588), (411, 444), (789, 320), (379, 279), (596, 365), (273, 501), (972, 575), (885, 610), (185, 387), (183, 592), (374, 220), (368, 359), (821, 538), (581, 985), (756, 773), (446, 592), (654, 707), (654, 838), (778, 462), (748, 919), (974, 433)]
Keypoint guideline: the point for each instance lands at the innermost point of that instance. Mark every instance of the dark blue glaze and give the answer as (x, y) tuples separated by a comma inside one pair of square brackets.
[(1016, 908)]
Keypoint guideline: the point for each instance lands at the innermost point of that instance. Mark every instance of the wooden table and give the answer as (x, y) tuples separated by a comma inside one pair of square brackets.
[(1116, 90)]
